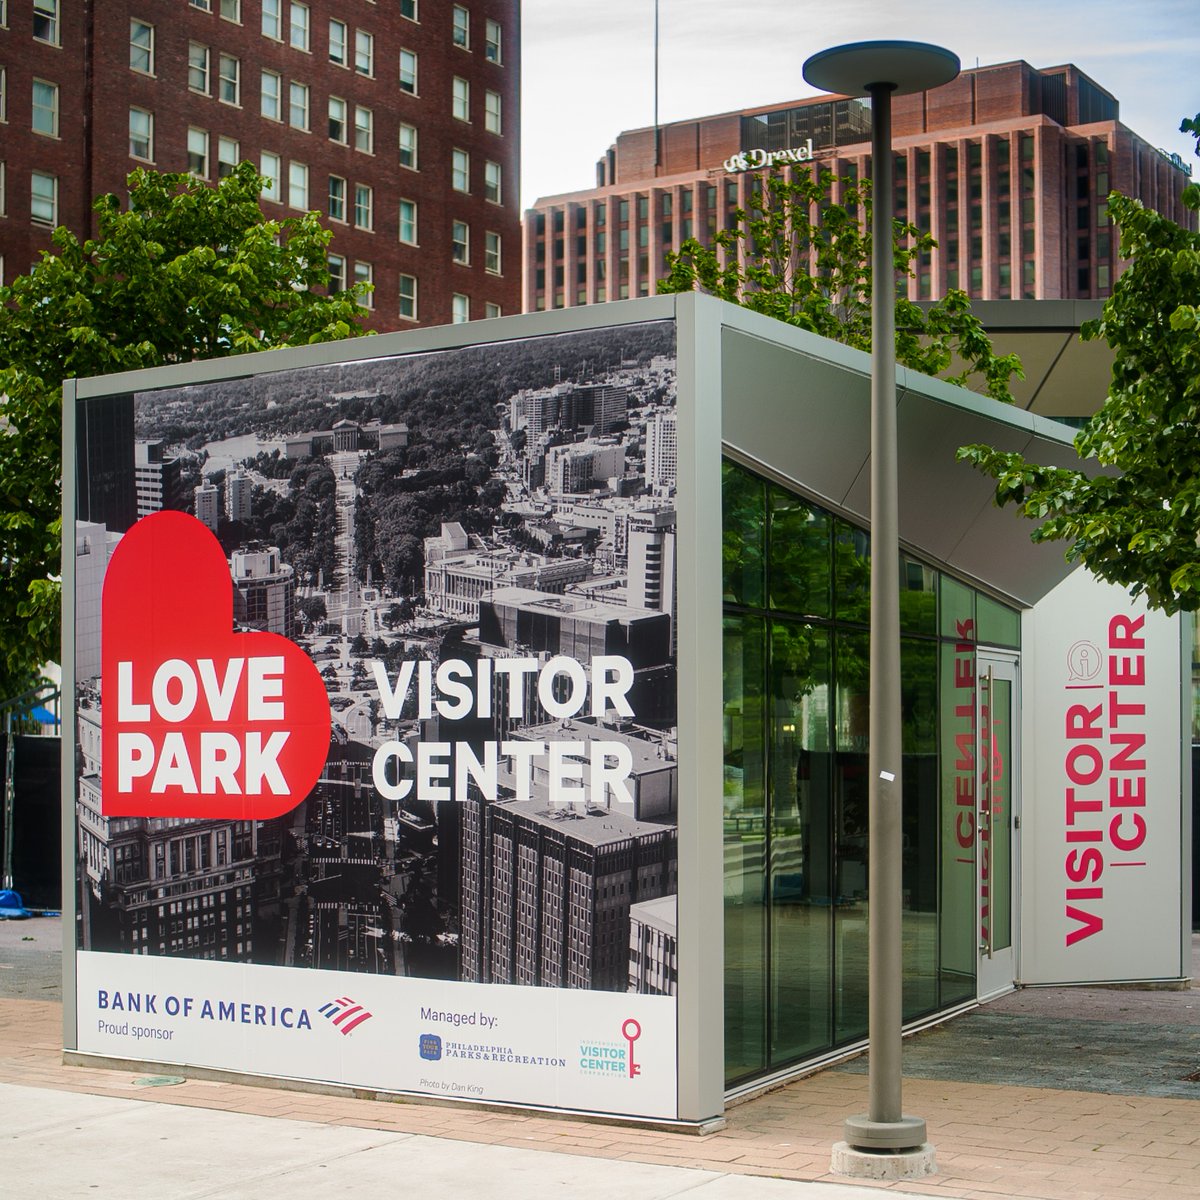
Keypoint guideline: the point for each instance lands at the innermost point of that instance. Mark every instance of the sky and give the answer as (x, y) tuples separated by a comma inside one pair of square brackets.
[(588, 65)]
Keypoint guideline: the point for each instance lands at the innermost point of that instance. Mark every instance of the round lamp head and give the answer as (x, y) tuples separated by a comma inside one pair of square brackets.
[(902, 67)]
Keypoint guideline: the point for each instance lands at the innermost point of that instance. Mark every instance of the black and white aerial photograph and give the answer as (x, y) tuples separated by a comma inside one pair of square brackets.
[(499, 502)]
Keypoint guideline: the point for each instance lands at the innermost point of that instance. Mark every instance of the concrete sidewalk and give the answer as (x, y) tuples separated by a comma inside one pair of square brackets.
[(989, 1084)]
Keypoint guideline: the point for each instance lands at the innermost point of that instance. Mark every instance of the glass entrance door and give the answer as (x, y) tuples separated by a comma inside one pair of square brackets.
[(996, 812)]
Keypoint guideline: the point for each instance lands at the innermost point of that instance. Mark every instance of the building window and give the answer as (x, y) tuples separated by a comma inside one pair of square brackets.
[(491, 112), (491, 309), (45, 28), (491, 253), (141, 46), (408, 222), (269, 168), (408, 146), (364, 206), (364, 130), (231, 10), (298, 105), (408, 72), (408, 297), (337, 42), (43, 199), (364, 52), (491, 182), (272, 20), (45, 108), (460, 170), (229, 85), (460, 104), (270, 102), (203, 5), (298, 29), (460, 309), (408, 9), (460, 241), (365, 275), (228, 156), (298, 185), (337, 198), (141, 134), (3, 92), (198, 68), (462, 27), (491, 41), (197, 152), (337, 119), (337, 273)]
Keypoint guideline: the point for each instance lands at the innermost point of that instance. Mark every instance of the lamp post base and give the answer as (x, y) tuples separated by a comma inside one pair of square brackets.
[(884, 1150), (872, 1136)]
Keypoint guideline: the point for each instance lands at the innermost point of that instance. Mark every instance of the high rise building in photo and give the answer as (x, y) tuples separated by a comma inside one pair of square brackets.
[(157, 477), (264, 595), (1009, 167), (207, 504), (398, 122)]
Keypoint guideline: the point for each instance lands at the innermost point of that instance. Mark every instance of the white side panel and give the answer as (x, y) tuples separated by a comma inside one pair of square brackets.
[(1102, 860)]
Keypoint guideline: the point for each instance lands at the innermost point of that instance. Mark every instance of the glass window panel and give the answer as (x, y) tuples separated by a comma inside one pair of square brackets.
[(745, 846), (851, 573), (799, 561), (996, 890), (801, 883), (918, 597), (956, 616), (999, 625), (742, 536), (851, 691), (956, 882), (919, 774)]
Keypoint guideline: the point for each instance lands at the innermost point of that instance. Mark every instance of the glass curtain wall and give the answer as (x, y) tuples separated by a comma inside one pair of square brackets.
[(796, 670)]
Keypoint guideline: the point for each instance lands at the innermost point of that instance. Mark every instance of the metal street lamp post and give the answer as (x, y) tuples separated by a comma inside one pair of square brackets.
[(880, 1141)]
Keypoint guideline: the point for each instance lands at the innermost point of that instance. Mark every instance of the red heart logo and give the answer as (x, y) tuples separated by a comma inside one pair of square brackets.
[(199, 721)]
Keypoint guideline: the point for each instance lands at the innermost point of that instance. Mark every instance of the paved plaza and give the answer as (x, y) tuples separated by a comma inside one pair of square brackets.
[(1057, 1094)]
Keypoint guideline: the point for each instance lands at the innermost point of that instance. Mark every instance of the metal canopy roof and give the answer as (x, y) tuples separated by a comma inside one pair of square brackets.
[(798, 406)]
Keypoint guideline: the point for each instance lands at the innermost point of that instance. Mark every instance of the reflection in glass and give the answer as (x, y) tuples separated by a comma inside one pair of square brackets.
[(918, 715), (799, 555), (852, 573), (957, 609), (997, 813), (999, 625), (956, 884), (800, 772), (918, 597), (745, 847), (852, 667), (743, 530)]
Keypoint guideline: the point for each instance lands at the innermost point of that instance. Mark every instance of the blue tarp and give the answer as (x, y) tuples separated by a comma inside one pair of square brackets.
[(12, 907)]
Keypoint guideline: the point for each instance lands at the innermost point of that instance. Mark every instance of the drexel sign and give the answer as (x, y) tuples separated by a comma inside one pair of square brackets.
[(755, 160)]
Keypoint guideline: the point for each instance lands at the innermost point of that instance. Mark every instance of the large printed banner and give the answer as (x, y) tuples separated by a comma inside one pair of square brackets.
[(1102, 867), (376, 713)]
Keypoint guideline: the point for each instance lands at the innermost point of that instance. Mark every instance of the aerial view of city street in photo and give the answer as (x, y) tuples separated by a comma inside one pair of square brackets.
[(493, 511)]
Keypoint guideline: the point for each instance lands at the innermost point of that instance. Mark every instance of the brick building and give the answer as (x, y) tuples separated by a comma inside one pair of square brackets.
[(1008, 166), (397, 121)]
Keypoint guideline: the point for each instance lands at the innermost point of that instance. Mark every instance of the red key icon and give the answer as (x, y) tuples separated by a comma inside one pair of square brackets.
[(631, 1031)]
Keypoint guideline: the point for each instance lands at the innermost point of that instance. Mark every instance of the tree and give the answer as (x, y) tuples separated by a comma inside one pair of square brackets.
[(798, 257), (184, 272), (1137, 528)]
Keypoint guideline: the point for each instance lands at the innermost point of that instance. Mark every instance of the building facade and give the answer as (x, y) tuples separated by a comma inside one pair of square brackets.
[(1008, 167), (398, 123)]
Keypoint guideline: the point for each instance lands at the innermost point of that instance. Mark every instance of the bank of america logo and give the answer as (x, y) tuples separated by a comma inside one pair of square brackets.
[(345, 1013)]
